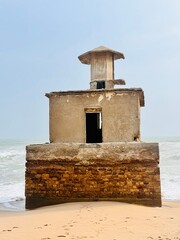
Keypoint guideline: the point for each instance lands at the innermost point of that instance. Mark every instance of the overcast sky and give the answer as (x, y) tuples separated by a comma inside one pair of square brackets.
[(40, 41)]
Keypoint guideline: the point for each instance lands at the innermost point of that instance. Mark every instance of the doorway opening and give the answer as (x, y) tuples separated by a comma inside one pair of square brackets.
[(94, 127)]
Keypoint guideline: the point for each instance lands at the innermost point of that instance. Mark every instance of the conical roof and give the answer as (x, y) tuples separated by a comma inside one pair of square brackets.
[(86, 57)]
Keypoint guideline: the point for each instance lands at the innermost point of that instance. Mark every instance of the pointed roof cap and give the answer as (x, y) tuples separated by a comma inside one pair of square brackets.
[(86, 57)]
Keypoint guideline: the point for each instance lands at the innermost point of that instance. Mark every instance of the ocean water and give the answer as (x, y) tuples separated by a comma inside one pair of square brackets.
[(12, 173), (12, 169), (170, 170)]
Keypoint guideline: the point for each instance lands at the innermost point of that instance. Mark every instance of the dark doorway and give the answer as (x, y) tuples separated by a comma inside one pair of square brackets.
[(101, 84), (93, 128)]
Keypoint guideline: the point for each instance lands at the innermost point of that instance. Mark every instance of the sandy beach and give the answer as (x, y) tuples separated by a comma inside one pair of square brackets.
[(93, 220)]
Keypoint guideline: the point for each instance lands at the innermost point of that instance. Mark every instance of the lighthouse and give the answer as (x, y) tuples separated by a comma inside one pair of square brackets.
[(95, 151)]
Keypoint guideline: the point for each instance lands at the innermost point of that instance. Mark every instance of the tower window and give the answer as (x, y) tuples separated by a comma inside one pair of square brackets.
[(101, 84)]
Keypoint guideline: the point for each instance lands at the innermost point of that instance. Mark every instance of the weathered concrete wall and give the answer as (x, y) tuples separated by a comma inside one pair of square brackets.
[(127, 172), (120, 114)]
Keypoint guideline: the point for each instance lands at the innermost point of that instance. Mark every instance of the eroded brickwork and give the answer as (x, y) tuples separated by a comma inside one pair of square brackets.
[(127, 172)]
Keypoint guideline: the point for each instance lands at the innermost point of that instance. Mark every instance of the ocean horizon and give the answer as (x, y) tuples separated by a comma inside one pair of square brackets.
[(12, 168)]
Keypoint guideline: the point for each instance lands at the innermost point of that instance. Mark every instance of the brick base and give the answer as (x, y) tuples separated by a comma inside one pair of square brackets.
[(125, 172)]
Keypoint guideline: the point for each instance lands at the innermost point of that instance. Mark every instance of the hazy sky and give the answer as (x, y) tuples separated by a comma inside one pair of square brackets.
[(40, 41)]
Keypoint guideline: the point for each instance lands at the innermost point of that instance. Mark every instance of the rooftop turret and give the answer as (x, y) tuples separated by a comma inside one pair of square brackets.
[(102, 60)]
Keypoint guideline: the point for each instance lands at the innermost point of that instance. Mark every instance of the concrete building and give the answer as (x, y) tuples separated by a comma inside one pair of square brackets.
[(95, 150), (100, 114)]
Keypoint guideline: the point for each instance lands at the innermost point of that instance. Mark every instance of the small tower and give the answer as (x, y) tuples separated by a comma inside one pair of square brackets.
[(101, 60)]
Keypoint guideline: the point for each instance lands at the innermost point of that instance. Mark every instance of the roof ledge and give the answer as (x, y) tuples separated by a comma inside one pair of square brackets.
[(86, 57)]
